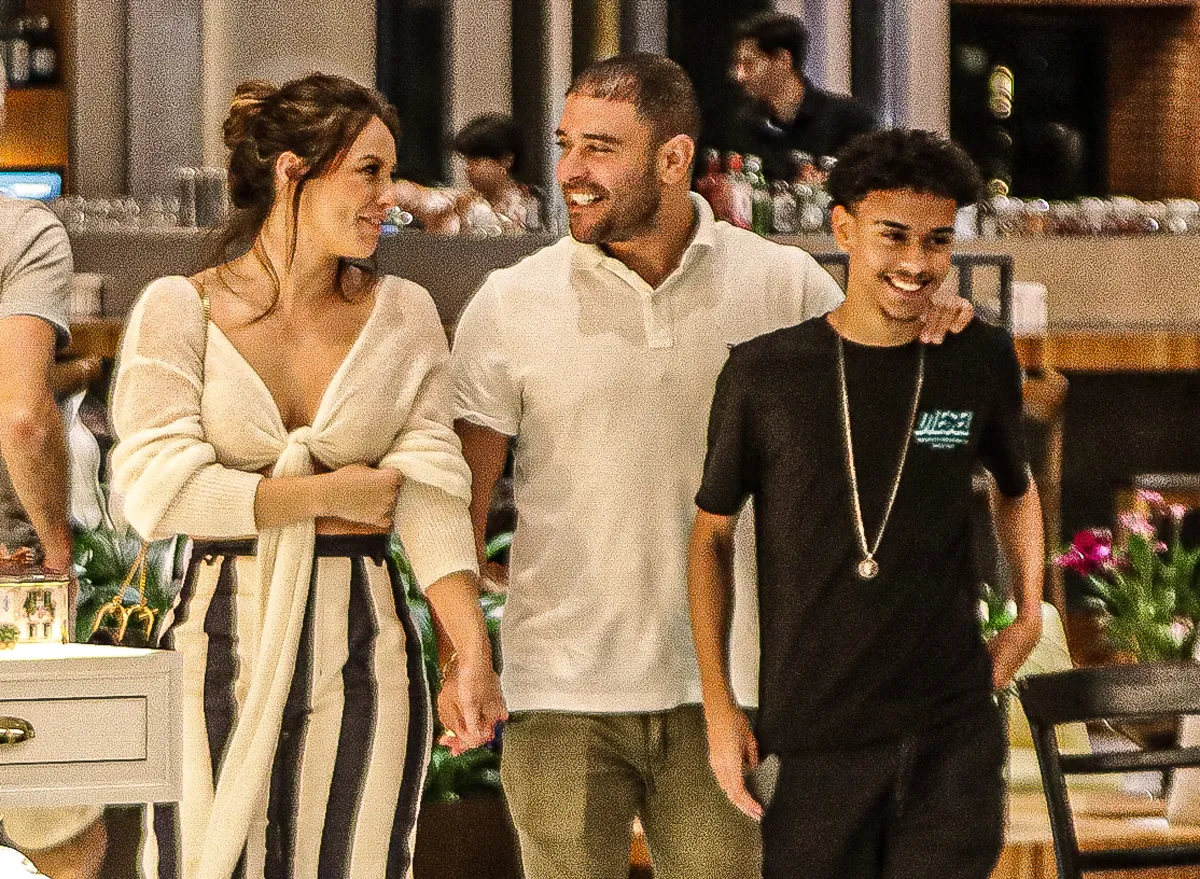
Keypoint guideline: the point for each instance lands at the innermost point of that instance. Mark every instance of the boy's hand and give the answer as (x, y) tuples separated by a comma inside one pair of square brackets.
[(732, 751), (948, 312), (1011, 647)]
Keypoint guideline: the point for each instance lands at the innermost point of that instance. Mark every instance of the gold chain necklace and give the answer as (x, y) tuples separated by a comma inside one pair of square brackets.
[(868, 568)]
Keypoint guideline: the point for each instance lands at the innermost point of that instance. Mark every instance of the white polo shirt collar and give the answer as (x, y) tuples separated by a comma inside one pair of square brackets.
[(592, 256)]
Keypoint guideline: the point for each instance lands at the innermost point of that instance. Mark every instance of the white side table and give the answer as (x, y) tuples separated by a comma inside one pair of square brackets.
[(88, 725)]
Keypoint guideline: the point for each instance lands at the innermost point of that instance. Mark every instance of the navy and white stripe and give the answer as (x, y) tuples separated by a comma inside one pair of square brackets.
[(349, 766)]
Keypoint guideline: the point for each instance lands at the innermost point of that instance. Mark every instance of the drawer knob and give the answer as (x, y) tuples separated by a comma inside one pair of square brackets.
[(14, 730)]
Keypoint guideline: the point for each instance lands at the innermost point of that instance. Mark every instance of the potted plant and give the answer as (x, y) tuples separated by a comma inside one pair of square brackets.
[(464, 828), (9, 634), (102, 558), (1145, 595)]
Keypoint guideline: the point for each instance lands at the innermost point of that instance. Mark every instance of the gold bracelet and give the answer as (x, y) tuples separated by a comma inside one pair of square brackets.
[(444, 668)]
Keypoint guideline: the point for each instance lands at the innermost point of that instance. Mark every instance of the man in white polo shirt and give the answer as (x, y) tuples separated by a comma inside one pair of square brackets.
[(599, 354)]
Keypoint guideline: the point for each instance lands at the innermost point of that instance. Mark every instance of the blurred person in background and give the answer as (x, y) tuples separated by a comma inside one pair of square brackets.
[(494, 151), (787, 112), (35, 278)]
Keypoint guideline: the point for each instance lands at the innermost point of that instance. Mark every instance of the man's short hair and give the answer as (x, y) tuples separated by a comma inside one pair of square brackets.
[(657, 87), (902, 158), (491, 136), (775, 31)]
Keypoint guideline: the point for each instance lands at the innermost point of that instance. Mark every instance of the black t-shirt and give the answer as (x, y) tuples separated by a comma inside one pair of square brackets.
[(824, 123), (846, 662)]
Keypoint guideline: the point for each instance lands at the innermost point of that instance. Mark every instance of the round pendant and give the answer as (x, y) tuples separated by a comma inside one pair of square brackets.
[(868, 569)]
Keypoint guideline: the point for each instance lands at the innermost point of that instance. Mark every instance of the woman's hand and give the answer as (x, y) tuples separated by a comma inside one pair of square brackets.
[(470, 704), (361, 494)]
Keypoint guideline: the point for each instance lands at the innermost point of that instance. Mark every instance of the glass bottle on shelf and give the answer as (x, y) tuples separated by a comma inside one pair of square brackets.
[(785, 211), (712, 168), (760, 196), (17, 54), (741, 199), (43, 52)]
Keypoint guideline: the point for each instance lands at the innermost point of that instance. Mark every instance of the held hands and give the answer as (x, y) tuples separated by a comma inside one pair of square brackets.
[(363, 494), (732, 752), (470, 703), (1011, 647), (948, 312)]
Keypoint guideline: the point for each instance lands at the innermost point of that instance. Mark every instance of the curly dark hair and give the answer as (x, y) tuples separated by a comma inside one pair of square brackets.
[(903, 158), (492, 136)]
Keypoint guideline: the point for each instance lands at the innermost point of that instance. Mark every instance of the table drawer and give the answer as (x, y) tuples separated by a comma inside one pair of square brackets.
[(105, 726), (109, 729)]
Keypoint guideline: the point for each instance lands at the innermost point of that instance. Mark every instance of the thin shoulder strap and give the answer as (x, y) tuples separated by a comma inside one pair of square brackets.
[(204, 303)]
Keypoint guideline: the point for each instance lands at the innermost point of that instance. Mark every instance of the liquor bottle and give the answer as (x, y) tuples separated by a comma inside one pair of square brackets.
[(760, 197), (712, 170), (43, 52), (802, 166), (785, 213), (17, 54), (741, 197)]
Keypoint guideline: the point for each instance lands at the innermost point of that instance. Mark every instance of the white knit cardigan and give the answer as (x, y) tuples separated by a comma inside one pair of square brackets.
[(195, 422)]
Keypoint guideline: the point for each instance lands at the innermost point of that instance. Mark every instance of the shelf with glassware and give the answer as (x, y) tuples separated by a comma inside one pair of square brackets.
[(33, 37)]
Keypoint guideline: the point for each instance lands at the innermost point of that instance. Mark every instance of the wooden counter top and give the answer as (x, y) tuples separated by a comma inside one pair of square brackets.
[(96, 337), (1112, 350)]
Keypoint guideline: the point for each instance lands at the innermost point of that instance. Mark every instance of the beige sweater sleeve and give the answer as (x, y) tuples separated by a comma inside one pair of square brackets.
[(165, 476), (432, 517)]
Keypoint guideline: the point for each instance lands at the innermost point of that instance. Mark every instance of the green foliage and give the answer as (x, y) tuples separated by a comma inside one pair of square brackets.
[(450, 777), (1150, 602), (103, 557), (1148, 594), (996, 613), (9, 633)]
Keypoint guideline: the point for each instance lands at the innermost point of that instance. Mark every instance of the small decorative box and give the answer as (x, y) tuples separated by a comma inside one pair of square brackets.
[(33, 609)]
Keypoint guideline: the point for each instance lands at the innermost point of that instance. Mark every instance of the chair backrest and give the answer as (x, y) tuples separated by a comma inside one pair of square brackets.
[(1113, 692), (837, 264)]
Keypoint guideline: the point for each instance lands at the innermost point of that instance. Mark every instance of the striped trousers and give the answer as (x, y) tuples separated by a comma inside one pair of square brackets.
[(350, 761)]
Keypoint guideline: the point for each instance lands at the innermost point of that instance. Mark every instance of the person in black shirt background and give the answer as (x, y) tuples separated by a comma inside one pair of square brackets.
[(857, 444), (787, 112)]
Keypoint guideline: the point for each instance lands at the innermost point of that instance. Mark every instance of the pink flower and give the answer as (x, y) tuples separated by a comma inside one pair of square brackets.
[(1153, 498), (1090, 551), (1136, 523), (1178, 511)]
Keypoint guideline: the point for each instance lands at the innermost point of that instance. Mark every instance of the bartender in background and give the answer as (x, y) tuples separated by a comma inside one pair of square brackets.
[(35, 278), (787, 113)]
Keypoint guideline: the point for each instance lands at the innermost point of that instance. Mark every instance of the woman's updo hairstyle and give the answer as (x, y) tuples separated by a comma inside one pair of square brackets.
[(317, 117)]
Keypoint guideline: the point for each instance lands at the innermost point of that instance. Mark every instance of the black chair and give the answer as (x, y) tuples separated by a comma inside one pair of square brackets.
[(1119, 692), (837, 264)]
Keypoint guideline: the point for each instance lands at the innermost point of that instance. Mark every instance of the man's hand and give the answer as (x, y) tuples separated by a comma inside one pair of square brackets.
[(470, 705), (1011, 647), (948, 312), (732, 752)]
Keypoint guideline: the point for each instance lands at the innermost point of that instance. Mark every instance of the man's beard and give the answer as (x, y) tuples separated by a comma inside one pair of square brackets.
[(637, 216)]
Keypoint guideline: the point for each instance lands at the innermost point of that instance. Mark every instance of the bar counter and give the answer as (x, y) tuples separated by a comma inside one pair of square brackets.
[(1112, 349), (1099, 350)]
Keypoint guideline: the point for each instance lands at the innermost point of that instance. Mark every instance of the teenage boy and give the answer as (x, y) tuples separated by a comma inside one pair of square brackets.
[(857, 443)]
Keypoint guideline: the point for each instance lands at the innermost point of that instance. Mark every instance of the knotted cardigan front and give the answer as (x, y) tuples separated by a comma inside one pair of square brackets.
[(196, 423)]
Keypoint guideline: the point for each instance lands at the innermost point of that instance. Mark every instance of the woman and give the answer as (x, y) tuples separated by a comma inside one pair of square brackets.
[(291, 397)]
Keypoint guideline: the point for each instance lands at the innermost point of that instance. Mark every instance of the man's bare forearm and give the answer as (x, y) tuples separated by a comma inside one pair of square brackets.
[(1019, 528), (710, 595), (34, 447)]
